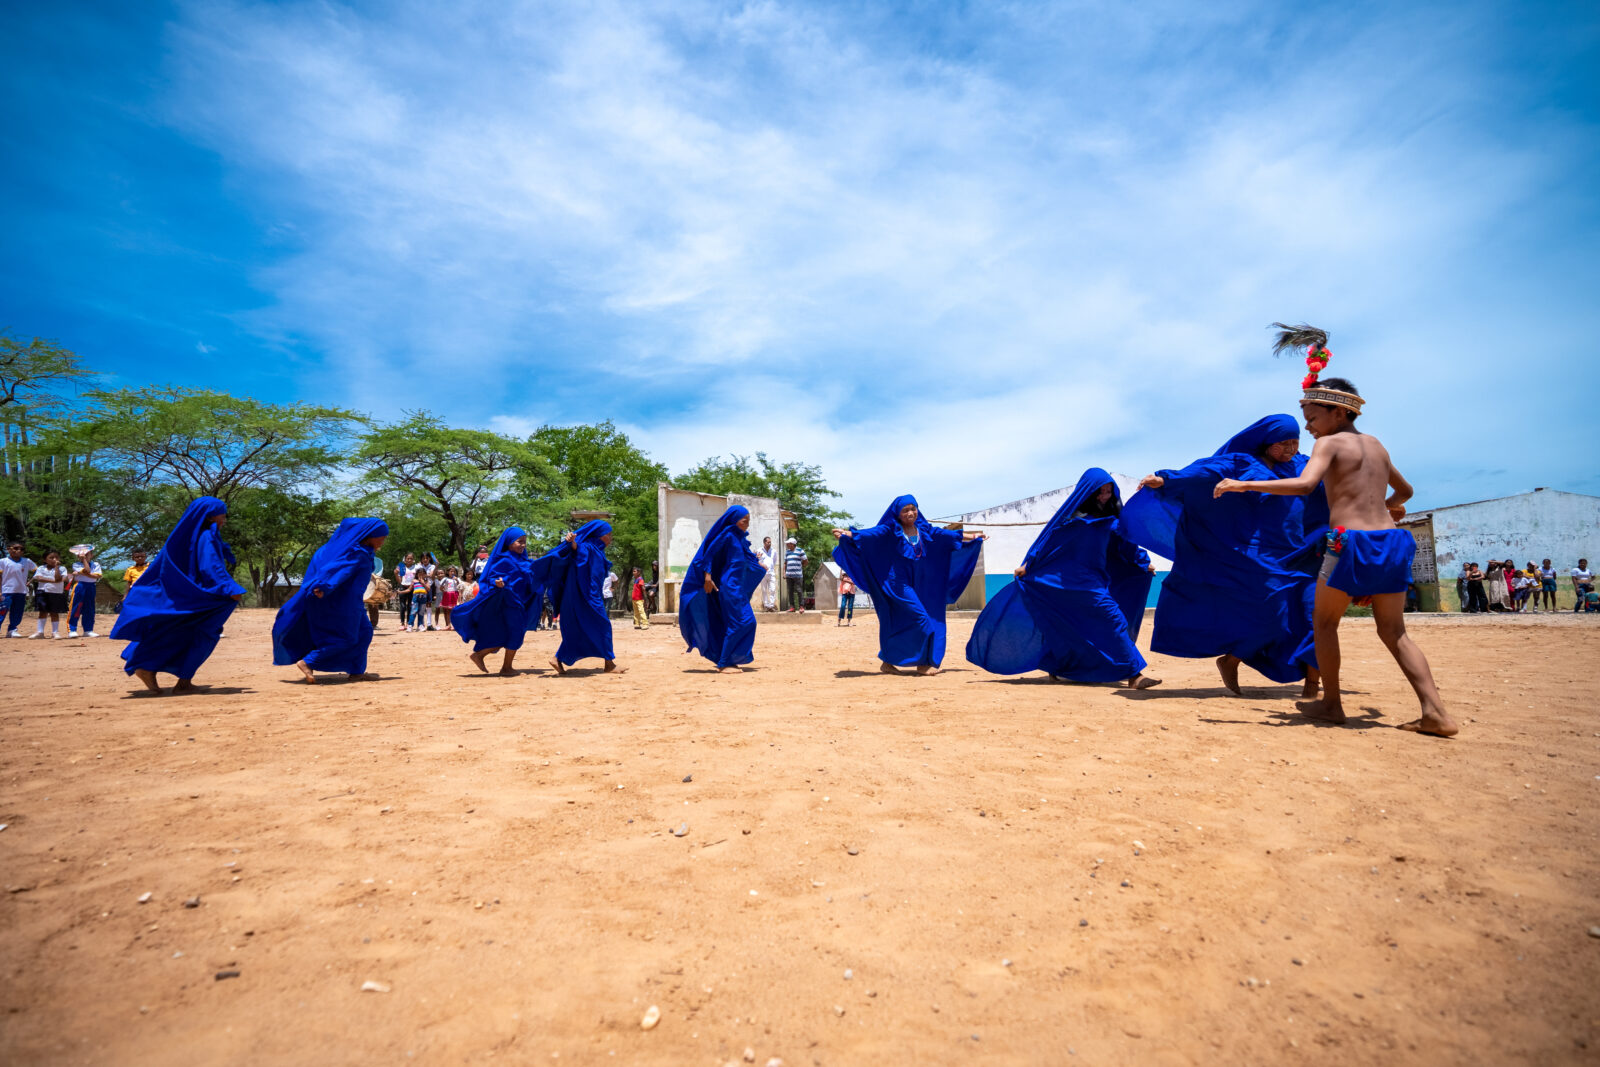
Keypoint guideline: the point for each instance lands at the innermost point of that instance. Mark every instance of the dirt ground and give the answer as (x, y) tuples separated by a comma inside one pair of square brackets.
[(871, 869)]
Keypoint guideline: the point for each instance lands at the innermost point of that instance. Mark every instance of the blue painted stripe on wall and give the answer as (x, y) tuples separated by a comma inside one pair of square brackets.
[(993, 583)]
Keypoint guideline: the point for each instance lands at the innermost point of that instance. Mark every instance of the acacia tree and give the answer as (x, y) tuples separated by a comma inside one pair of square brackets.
[(477, 482), (34, 459), (214, 444)]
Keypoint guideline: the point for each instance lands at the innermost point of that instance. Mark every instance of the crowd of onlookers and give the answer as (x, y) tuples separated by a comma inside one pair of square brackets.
[(1502, 586), (58, 589)]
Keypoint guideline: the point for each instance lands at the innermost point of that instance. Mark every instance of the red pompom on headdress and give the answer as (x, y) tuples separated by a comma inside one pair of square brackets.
[(1315, 342)]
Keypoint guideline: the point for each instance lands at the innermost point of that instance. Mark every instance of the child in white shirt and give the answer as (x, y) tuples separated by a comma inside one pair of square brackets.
[(15, 571), (85, 583), (50, 593)]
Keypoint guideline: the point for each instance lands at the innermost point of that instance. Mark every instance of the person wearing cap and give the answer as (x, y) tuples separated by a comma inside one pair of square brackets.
[(86, 574), (794, 562)]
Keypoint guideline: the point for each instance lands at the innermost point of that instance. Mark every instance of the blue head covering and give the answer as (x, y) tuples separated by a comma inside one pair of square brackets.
[(182, 547), (726, 524), (1082, 494), (591, 531), (1253, 440), (891, 521), (343, 549)]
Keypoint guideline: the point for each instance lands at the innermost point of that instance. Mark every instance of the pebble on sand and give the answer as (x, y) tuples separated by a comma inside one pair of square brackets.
[(650, 1019), (683, 828), (1594, 931), (226, 974), (145, 898), (370, 986), (192, 902)]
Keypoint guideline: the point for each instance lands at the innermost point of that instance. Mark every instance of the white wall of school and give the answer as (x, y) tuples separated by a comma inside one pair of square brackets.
[(682, 519), (1546, 523)]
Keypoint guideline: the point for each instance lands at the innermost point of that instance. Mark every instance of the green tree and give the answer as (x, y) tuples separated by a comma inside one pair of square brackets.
[(798, 487), (33, 374), (37, 465), (604, 471), (214, 444), (475, 481)]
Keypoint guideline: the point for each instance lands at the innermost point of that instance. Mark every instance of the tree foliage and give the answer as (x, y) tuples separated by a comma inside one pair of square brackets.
[(33, 375), (605, 471)]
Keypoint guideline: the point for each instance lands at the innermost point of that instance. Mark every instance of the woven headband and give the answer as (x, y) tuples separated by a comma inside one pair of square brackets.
[(1338, 398)]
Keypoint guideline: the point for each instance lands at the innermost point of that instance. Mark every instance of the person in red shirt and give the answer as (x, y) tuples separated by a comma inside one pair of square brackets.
[(641, 620), (847, 601)]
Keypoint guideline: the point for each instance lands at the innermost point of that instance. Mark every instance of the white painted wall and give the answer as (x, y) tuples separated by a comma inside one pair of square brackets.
[(683, 518), (1529, 526)]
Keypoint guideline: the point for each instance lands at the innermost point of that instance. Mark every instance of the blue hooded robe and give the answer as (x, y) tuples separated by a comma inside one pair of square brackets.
[(721, 625), (501, 616), (331, 632), (910, 584), (1064, 615), (582, 568), (173, 615), (1234, 588)]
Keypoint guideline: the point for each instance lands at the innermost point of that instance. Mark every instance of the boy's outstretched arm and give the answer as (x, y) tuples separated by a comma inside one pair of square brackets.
[(1299, 485)]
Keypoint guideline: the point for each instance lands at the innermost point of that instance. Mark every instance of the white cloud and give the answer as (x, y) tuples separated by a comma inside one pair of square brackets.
[(769, 227)]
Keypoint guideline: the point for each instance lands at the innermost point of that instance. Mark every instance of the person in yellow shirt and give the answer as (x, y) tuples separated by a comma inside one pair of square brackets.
[(140, 565)]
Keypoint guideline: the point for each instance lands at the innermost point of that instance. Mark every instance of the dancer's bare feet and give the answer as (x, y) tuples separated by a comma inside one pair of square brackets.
[(1322, 710), (561, 668), (186, 685), (888, 668), (303, 669), (477, 660), (507, 672), (1228, 667), (1310, 689), (927, 670), (1438, 723), (612, 668), (149, 680), (729, 670), (1143, 681)]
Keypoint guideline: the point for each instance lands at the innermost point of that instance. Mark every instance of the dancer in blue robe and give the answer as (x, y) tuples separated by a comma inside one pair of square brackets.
[(578, 575), (911, 571), (1236, 591), (1061, 614), (714, 613), (507, 604), (324, 626), (173, 615)]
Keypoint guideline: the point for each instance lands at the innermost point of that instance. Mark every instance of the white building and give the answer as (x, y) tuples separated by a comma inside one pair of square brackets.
[(683, 517), (1011, 529), (1544, 524)]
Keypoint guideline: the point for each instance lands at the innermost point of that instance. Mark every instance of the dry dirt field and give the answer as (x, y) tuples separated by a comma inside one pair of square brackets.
[(871, 870)]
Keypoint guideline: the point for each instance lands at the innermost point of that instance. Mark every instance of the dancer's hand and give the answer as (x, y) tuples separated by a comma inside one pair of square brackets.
[(499, 583), (1396, 511), (1227, 485), (317, 592), (1020, 571), (711, 587), (1151, 568), (238, 596), (1152, 481), (841, 533)]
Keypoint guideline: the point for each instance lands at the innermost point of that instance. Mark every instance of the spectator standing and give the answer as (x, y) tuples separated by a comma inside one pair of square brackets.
[(1494, 586), (50, 592), (15, 572), (1461, 589), (479, 561), (652, 588), (1582, 583), (641, 621), (86, 575), (847, 601), (1547, 585), (769, 584), (141, 563), (608, 590), (794, 575), (1519, 589), (1477, 599), (405, 580)]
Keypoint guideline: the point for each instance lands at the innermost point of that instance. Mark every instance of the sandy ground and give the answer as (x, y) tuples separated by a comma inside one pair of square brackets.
[(874, 870)]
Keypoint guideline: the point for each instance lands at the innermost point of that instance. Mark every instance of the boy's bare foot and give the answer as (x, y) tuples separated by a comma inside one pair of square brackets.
[(1439, 724), (1228, 667), (561, 668), (303, 669), (1322, 710), (149, 680), (1143, 681), (612, 668), (888, 668), (927, 670), (477, 660)]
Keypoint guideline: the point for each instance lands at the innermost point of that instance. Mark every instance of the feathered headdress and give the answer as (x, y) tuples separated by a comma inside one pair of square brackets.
[(1315, 342)]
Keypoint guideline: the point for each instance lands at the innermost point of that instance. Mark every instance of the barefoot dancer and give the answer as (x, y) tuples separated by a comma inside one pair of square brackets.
[(1063, 614), (173, 615), (582, 568), (506, 606), (1367, 556), (714, 615), (911, 571), (324, 626), (1232, 592)]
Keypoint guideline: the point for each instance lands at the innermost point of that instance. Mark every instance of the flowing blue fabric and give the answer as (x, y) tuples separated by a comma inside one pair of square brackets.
[(1373, 562), (720, 625), (331, 632), (1235, 586), (1064, 614), (582, 568), (173, 615), (910, 584), (501, 616)]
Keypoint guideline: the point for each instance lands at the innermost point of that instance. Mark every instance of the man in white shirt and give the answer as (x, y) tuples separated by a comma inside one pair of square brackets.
[(85, 584), (404, 579), (1582, 582), (606, 588), (769, 581), (15, 570)]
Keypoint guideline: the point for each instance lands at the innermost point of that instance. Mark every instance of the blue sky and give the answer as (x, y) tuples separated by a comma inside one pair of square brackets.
[(960, 250)]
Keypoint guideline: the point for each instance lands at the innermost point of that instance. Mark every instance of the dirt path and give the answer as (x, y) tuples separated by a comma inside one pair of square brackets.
[(874, 870)]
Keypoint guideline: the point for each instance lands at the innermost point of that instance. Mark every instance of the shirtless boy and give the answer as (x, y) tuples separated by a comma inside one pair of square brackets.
[(1367, 555)]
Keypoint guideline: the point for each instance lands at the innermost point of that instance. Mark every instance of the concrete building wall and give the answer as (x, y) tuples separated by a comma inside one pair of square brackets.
[(1003, 551), (1529, 526), (682, 519)]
